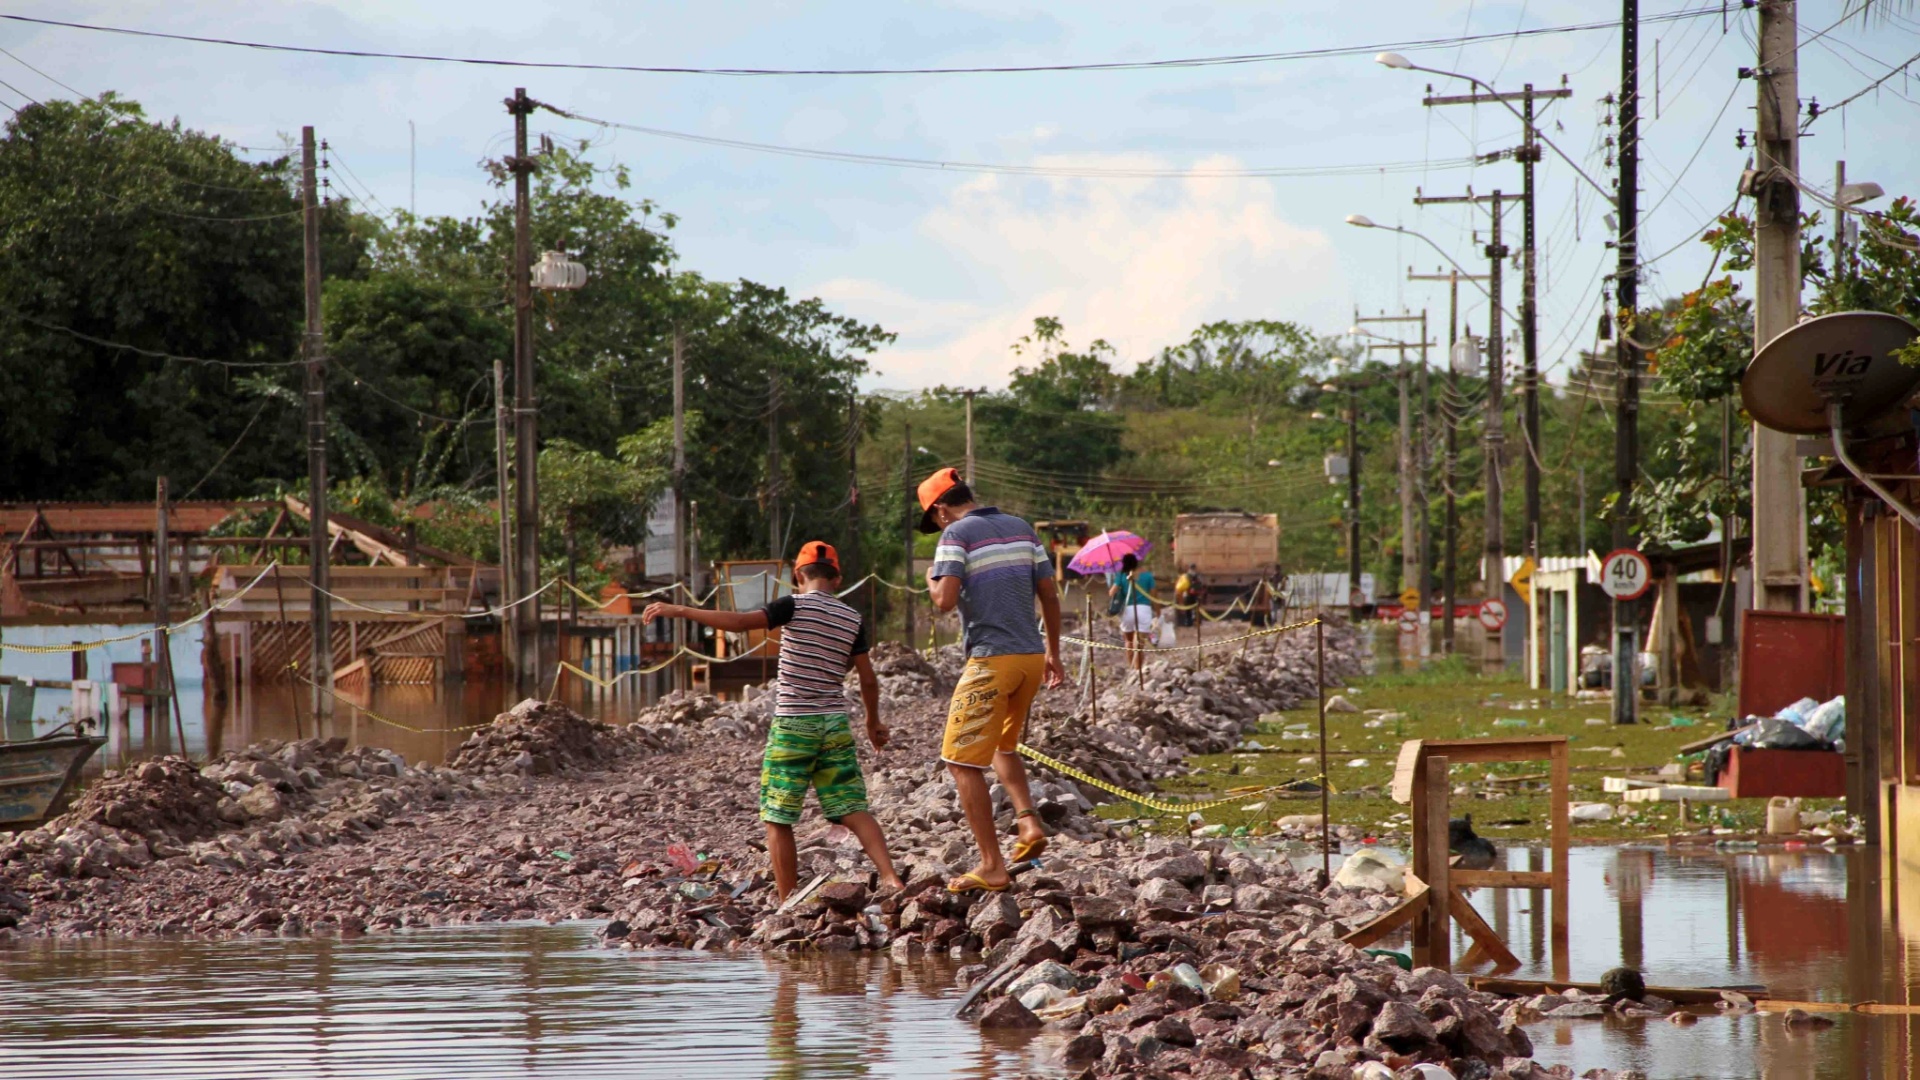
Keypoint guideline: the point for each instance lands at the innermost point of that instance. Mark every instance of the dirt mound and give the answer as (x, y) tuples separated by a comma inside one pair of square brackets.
[(169, 797), (540, 738), (905, 676), (683, 712)]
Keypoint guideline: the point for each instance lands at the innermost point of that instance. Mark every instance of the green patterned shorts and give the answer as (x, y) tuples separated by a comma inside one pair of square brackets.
[(810, 751)]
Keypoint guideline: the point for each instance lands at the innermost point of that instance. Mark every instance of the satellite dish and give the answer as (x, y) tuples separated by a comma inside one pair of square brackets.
[(1844, 359)]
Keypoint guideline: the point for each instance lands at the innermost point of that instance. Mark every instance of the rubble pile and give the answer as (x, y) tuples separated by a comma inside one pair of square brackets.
[(1177, 959), (685, 712), (906, 677), (541, 738), (1139, 734)]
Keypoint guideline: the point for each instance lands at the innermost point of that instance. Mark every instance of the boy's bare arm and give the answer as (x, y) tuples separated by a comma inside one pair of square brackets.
[(870, 697), (719, 620)]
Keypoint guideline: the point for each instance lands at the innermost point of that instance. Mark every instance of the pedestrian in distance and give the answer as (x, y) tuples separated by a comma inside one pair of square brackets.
[(993, 568), (1183, 592), (1129, 595), (810, 744)]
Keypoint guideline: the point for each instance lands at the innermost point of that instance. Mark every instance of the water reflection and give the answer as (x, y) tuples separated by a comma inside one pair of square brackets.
[(1808, 925), (521, 1001)]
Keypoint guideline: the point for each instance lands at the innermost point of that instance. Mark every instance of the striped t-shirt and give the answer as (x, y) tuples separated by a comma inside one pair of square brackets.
[(999, 561), (821, 638)]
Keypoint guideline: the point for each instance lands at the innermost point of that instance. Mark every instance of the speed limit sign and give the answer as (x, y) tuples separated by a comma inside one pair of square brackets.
[(1625, 574)]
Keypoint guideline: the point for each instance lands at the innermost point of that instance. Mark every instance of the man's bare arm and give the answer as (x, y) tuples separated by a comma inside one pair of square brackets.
[(1049, 592), (945, 591), (719, 620)]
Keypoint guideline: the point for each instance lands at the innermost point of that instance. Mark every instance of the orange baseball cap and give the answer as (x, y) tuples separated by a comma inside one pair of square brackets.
[(817, 551), (931, 489)]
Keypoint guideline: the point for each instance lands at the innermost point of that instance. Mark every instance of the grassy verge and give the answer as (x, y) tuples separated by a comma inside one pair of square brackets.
[(1507, 801)]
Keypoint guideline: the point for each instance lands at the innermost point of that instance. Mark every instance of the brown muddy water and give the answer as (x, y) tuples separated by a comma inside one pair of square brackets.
[(544, 1001), (520, 1001)]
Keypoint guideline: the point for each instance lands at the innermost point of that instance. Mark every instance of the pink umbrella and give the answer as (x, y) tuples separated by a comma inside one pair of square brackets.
[(1102, 554)]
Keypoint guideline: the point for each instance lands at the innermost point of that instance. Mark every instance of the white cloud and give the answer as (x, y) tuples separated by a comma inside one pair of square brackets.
[(1137, 262)]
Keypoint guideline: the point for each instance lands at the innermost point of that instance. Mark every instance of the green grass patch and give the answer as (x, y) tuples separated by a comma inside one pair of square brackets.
[(1445, 701)]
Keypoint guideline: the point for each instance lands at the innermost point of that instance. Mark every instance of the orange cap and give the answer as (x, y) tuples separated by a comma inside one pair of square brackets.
[(817, 551), (931, 489)]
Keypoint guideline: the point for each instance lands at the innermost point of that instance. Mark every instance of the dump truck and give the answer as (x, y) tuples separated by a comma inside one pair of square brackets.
[(1234, 550), (1064, 539)]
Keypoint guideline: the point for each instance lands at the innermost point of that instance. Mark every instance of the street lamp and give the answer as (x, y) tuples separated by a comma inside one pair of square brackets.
[(1362, 221), (1400, 63)]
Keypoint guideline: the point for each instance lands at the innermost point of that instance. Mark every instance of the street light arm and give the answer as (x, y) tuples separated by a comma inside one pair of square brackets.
[(1518, 115), (1456, 265)]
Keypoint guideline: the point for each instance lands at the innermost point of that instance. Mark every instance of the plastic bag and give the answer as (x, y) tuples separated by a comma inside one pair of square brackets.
[(1778, 734), (1829, 720), (1164, 635), (1798, 712)]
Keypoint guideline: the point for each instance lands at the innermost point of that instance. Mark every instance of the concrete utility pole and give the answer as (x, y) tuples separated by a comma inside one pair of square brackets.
[(851, 559), (1528, 155), (1626, 447), (319, 537), (501, 418), (1412, 554), (526, 504), (1451, 528), (1779, 504), (969, 394), (680, 559), (1495, 558), (1353, 504)]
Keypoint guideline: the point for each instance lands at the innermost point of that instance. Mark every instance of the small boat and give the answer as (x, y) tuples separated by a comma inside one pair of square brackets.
[(36, 776)]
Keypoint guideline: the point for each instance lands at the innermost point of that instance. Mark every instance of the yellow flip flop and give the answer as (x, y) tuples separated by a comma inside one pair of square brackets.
[(1029, 849), (972, 882)]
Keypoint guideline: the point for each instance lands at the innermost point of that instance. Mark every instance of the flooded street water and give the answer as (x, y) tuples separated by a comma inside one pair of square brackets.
[(522, 1001)]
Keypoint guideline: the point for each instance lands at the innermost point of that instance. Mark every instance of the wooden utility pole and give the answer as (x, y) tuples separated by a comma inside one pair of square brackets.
[(526, 455), (1779, 504), (319, 537), (680, 560), (906, 481), (1626, 431), (1449, 577), (775, 543), (162, 610)]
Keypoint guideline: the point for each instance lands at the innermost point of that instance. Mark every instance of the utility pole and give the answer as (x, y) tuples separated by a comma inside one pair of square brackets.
[(680, 499), (906, 481), (319, 537), (852, 557), (1412, 555), (1493, 563), (969, 394), (1528, 155), (1779, 505), (774, 543), (1451, 529), (162, 608), (1353, 503), (1626, 446), (526, 507), (500, 439)]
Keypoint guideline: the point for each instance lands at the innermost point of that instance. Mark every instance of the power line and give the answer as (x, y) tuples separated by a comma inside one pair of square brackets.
[(153, 353), (1134, 65), (45, 76), (1863, 91), (1090, 172)]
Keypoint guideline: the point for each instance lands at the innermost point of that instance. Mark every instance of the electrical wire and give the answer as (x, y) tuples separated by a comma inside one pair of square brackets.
[(1133, 65), (1085, 172), (44, 75), (1862, 92), (152, 353)]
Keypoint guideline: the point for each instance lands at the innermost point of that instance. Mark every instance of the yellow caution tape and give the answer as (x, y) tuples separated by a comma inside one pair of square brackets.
[(88, 646), (1163, 805), (376, 717)]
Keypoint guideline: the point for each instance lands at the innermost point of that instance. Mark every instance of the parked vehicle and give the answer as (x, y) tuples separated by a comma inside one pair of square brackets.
[(1234, 550)]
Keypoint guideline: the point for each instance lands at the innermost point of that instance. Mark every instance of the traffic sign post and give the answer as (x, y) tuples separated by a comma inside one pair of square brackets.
[(1625, 574), (1522, 580), (1493, 615), (1409, 622), (1410, 599)]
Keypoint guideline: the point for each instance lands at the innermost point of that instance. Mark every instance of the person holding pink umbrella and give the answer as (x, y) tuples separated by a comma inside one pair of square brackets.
[(1127, 596)]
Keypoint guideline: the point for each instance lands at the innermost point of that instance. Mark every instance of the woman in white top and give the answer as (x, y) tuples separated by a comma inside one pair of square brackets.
[(1130, 591)]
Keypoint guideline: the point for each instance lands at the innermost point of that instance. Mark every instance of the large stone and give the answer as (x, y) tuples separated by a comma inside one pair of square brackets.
[(1096, 912), (994, 918), (1402, 1026), (1006, 1012), (1186, 868), (1046, 973), (262, 802), (845, 897), (1163, 892)]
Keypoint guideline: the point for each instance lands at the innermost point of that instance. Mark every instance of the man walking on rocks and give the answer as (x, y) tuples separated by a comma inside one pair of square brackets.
[(992, 567), (811, 741)]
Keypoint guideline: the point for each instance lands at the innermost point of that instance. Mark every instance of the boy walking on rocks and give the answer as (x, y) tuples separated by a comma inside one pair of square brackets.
[(811, 741), (992, 567)]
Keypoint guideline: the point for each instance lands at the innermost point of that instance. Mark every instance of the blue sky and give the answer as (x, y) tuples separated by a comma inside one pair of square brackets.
[(959, 264)]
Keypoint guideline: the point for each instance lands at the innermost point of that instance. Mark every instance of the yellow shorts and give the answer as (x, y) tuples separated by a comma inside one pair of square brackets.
[(989, 708)]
